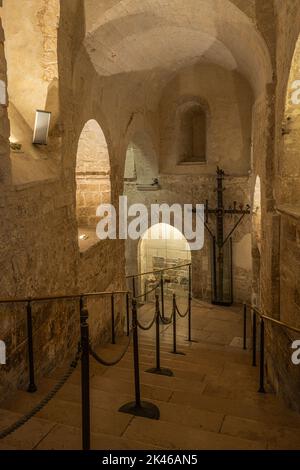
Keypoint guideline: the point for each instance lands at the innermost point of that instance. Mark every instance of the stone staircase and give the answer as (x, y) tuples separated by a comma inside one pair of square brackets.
[(210, 403)]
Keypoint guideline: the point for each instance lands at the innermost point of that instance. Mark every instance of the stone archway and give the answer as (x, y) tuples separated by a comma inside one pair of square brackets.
[(256, 242), (93, 186), (164, 246)]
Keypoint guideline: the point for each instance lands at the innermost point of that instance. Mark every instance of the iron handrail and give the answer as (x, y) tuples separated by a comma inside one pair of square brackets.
[(157, 271), (61, 297), (273, 320)]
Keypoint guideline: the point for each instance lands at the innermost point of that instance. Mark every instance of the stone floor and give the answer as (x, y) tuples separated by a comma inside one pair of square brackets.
[(210, 403)]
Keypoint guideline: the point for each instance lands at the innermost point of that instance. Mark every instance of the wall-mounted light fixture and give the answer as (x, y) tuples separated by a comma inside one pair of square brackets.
[(41, 127)]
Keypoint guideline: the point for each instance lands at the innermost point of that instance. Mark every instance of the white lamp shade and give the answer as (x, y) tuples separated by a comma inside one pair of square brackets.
[(41, 127)]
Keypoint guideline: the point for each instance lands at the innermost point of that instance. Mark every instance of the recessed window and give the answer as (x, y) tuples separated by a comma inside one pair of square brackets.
[(192, 135), (93, 186)]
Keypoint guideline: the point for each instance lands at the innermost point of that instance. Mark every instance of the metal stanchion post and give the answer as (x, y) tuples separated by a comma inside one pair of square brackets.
[(113, 337), (245, 328), (31, 387), (253, 338), (158, 369), (85, 377), (133, 288), (138, 407), (175, 328), (162, 296), (262, 357), (190, 304), (127, 314)]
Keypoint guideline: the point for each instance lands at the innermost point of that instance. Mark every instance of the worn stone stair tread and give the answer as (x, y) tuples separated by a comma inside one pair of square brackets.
[(184, 437), (26, 437), (277, 437), (245, 408), (64, 437), (211, 403)]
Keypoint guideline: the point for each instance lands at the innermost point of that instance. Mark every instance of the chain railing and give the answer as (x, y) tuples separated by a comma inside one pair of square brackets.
[(85, 350), (82, 354), (255, 315), (23, 420)]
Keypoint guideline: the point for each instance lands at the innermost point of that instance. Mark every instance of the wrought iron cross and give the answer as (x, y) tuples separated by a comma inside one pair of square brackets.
[(218, 238)]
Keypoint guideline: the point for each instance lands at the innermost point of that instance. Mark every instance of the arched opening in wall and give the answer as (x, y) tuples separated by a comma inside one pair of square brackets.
[(93, 186), (140, 180), (163, 246), (141, 167), (192, 134), (32, 75), (289, 163), (256, 242)]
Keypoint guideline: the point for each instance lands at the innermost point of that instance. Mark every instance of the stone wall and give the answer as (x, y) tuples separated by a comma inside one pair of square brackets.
[(39, 233), (280, 245), (39, 236)]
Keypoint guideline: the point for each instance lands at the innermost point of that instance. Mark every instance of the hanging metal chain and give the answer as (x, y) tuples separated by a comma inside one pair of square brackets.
[(147, 292), (182, 315), (166, 320), (104, 362), (20, 422), (149, 326)]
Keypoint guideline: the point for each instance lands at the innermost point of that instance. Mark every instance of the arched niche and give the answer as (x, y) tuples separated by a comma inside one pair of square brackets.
[(164, 246), (256, 242), (289, 161), (192, 136), (31, 51), (256, 219), (93, 186), (141, 164)]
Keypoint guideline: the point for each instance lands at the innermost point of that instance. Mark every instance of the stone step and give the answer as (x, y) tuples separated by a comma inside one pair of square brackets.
[(64, 437), (259, 408), (277, 437), (185, 437), (210, 403)]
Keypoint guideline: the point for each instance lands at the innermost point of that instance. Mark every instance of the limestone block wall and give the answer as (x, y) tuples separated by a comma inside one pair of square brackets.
[(39, 236), (280, 247), (91, 191)]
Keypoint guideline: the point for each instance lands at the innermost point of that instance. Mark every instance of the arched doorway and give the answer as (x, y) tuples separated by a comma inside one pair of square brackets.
[(256, 242), (93, 185), (140, 180), (163, 246)]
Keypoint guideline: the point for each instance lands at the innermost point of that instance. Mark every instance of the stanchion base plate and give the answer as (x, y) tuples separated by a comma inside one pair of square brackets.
[(191, 341), (145, 410), (31, 388), (161, 371), (179, 353)]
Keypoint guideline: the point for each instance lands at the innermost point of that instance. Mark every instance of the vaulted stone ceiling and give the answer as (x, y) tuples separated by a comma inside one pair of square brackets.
[(157, 38)]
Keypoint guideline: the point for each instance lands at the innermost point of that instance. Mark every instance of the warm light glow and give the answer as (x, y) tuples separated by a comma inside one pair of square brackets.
[(162, 232), (13, 139)]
